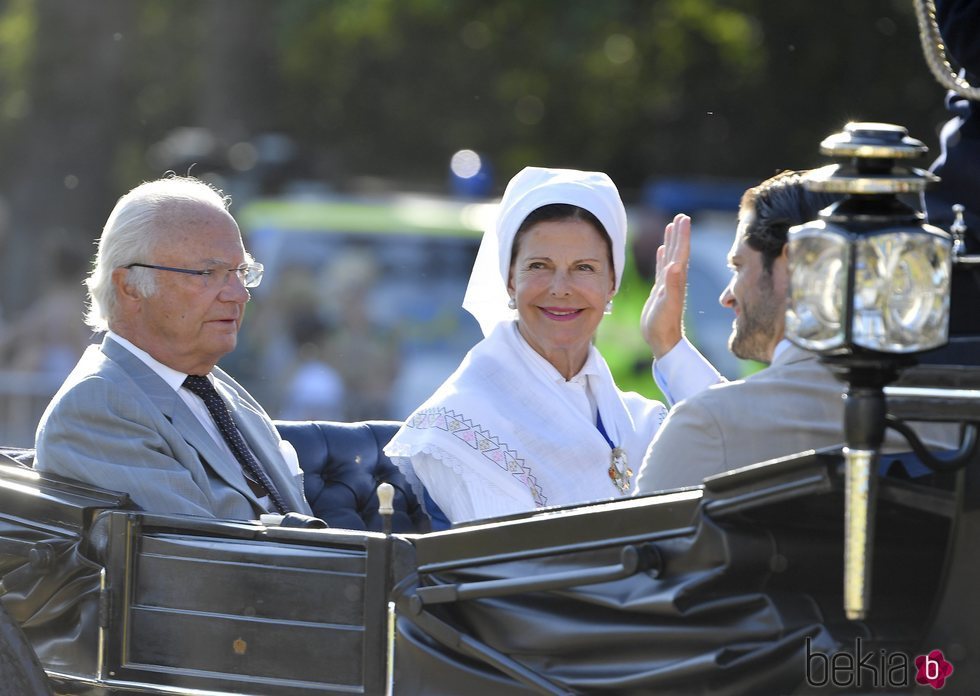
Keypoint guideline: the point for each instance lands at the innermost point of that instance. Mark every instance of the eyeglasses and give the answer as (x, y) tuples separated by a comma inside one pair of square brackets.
[(250, 274)]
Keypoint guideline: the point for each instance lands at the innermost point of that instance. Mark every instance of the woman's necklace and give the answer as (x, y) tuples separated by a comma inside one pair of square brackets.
[(619, 470)]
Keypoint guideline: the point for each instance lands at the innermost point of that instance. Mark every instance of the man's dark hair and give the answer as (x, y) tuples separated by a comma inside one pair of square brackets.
[(779, 203)]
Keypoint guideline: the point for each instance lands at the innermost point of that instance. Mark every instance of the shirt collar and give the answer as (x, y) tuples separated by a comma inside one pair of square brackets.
[(169, 375), (780, 348)]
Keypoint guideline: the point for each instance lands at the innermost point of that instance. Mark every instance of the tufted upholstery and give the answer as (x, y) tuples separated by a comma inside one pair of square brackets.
[(343, 465)]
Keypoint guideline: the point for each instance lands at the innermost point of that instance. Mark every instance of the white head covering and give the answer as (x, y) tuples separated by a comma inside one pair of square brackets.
[(533, 187)]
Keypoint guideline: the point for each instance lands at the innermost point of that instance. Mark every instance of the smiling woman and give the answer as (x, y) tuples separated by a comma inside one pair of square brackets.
[(561, 281), (532, 417)]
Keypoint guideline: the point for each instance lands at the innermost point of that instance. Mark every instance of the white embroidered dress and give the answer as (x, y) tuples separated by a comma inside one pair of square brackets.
[(507, 433)]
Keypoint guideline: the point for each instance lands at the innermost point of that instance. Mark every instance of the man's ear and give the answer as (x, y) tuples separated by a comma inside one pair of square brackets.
[(783, 258), (125, 291), (780, 265)]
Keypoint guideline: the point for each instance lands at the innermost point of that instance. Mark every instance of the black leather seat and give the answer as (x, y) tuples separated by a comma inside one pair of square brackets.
[(343, 465)]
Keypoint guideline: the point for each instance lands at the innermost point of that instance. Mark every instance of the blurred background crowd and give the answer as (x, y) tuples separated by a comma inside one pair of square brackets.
[(363, 142)]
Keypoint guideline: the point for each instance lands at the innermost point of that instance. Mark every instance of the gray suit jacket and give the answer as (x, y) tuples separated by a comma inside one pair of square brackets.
[(116, 424), (795, 404)]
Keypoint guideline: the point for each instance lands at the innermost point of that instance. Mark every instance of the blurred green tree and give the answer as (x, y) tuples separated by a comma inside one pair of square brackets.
[(95, 97)]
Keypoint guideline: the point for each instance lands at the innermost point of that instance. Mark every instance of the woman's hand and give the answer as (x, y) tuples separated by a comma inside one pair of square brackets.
[(663, 314)]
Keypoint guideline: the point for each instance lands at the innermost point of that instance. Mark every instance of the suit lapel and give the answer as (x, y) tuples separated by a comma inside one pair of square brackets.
[(216, 457), (254, 429), (159, 392), (183, 419)]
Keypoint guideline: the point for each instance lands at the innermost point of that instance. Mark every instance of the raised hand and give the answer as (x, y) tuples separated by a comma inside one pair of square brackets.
[(662, 320)]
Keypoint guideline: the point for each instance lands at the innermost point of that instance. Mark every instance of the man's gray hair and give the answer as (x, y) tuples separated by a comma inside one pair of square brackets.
[(130, 236)]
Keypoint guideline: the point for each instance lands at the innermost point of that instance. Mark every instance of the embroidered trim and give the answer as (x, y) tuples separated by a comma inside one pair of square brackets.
[(479, 439)]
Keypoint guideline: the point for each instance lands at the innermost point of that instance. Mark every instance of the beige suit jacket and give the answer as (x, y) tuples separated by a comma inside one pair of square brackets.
[(795, 404)]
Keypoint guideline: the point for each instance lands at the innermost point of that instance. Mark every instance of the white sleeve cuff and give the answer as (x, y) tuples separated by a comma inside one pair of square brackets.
[(683, 372)]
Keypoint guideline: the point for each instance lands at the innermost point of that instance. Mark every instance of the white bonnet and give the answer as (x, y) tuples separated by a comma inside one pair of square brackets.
[(532, 188)]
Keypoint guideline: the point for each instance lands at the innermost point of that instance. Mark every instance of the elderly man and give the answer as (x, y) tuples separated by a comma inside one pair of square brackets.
[(794, 404), (148, 412)]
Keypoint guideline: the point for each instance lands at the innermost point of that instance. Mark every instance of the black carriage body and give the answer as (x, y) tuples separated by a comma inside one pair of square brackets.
[(730, 588), (185, 605)]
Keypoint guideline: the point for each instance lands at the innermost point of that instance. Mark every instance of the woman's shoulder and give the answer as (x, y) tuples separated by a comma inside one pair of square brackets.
[(635, 400), (481, 373), (643, 409)]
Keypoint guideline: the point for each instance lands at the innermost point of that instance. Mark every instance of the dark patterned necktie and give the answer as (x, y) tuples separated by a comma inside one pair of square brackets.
[(258, 480)]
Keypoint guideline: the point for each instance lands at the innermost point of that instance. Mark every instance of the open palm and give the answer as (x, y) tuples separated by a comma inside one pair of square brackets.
[(663, 312)]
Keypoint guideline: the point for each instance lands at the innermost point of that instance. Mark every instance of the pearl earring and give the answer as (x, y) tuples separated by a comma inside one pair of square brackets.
[(512, 303), (608, 309)]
